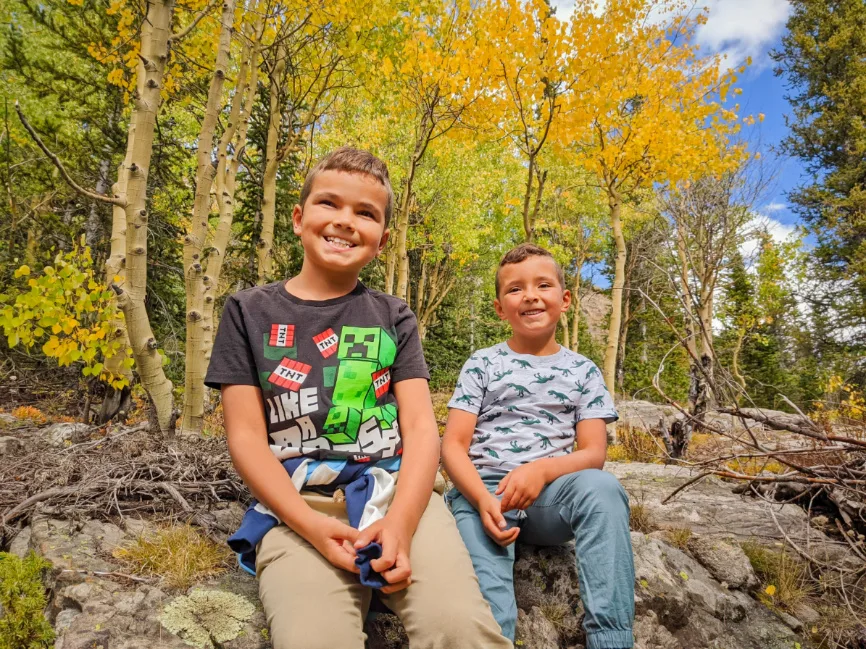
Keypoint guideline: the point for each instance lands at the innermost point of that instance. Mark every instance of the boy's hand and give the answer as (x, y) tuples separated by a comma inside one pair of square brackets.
[(393, 565), (494, 522), (521, 487), (333, 539)]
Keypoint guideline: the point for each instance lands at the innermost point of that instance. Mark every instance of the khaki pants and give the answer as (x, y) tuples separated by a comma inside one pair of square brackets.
[(310, 604)]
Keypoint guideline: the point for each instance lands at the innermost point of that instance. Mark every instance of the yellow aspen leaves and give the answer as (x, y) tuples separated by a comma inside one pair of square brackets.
[(67, 311)]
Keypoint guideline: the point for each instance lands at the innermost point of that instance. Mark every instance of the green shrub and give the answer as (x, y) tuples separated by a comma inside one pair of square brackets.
[(22, 598)]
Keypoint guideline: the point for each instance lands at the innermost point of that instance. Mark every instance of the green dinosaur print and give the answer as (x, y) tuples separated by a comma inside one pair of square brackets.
[(502, 429), (483, 438), (521, 363), (579, 363), (521, 391), (549, 415), (491, 417), (580, 389), (559, 396), (565, 371), (593, 371), (596, 402), (466, 398), (545, 442), (516, 448), (566, 434), (512, 408), (528, 421), (542, 379), (459, 385), (477, 371), (501, 352), (570, 408), (501, 375), (486, 360), (491, 452)]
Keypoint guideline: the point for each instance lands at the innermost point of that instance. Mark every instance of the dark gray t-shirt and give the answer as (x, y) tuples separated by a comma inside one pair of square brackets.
[(326, 368), (527, 406)]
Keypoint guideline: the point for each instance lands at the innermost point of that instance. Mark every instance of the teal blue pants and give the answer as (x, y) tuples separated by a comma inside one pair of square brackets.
[(589, 506)]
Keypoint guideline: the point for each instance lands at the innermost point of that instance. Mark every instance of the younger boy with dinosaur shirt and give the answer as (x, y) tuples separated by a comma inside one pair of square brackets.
[(508, 448)]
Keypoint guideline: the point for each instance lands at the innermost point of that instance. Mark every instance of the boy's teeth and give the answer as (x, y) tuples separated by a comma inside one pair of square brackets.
[(339, 242)]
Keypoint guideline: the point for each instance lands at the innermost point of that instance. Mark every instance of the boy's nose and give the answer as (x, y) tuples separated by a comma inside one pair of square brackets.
[(344, 218)]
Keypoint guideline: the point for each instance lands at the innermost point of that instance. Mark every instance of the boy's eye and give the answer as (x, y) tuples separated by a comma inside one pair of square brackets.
[(327, 202), (513, 289), (367, 214)]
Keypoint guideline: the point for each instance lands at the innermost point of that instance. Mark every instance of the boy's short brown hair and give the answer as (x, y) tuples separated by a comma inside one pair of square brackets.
[(521, 253), (354, 161)]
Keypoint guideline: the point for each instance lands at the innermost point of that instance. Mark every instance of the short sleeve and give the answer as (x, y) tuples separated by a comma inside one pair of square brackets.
[(469, 393), (409, 363), (594, 401), (232, 360)]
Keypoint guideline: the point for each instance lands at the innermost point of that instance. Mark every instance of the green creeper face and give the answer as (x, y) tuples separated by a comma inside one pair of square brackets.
[(366, 343)]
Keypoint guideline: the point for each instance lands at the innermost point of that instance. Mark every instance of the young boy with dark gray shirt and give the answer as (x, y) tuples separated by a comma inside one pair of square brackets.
[(525, 443)]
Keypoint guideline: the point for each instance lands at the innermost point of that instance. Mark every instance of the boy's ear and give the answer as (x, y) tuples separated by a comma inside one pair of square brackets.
[(384, 240), (498, 307), (566, 300), (297, 216)]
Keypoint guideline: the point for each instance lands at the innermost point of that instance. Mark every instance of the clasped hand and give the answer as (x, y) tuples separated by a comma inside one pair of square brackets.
[(518, 489), (338, 542)]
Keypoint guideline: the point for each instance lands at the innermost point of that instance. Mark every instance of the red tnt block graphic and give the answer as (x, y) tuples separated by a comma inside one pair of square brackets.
[(326, 342), (282, 335), (381, 381), (290, 374)]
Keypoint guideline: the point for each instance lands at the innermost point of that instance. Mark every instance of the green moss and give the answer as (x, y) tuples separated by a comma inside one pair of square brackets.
[(22, 603)]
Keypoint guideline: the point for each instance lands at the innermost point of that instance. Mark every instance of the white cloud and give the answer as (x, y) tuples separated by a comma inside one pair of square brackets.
[(743, 28), (761, 223), (775, 207), (736, 28)]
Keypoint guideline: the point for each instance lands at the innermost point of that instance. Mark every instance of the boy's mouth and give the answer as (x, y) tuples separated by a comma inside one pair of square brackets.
[(337, 242), (533, 312)]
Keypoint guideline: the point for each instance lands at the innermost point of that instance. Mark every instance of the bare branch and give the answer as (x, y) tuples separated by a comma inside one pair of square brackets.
[(195, 21), (112, 200)]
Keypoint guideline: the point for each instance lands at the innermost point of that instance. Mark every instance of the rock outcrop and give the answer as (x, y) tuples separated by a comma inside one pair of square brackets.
[(692, 598)]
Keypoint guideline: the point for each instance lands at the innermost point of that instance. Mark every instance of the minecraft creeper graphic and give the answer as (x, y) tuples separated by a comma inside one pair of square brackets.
[(362, 352)]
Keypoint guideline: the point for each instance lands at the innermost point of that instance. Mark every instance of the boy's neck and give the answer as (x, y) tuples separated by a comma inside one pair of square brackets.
[(540, 346), (315, 284)]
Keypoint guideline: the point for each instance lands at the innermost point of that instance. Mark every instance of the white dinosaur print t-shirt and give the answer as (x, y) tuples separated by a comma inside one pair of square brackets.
[(527, 406)]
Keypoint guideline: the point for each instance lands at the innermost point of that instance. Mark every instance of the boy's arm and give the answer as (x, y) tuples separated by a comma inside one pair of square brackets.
[(455, 457), (414, 486), (521, 487), (269, 482)]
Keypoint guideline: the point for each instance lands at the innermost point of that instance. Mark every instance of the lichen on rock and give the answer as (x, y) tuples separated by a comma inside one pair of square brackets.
[(207, 616)]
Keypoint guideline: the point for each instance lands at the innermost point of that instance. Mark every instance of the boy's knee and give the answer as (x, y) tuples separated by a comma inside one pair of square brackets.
[(600, 490), (452, 623), (326, 636)]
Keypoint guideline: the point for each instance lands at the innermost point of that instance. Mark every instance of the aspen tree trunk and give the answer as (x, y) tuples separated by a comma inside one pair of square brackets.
[(575, 299), (225, 182), (566, 332), (116, 402), (154, 54), (193, 406), (272, 163), (391, 262), (528, 229), (402, 254), (615, 203)]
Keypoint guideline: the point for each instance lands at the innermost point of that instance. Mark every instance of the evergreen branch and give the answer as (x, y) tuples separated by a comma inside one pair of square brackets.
[(84, 192)]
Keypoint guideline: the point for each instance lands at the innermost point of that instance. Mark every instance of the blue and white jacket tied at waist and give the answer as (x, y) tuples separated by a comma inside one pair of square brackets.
[(368, 489)]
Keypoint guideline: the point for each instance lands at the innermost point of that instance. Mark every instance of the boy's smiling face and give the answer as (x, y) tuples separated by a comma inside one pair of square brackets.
[(342, 222), (531, 298)]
